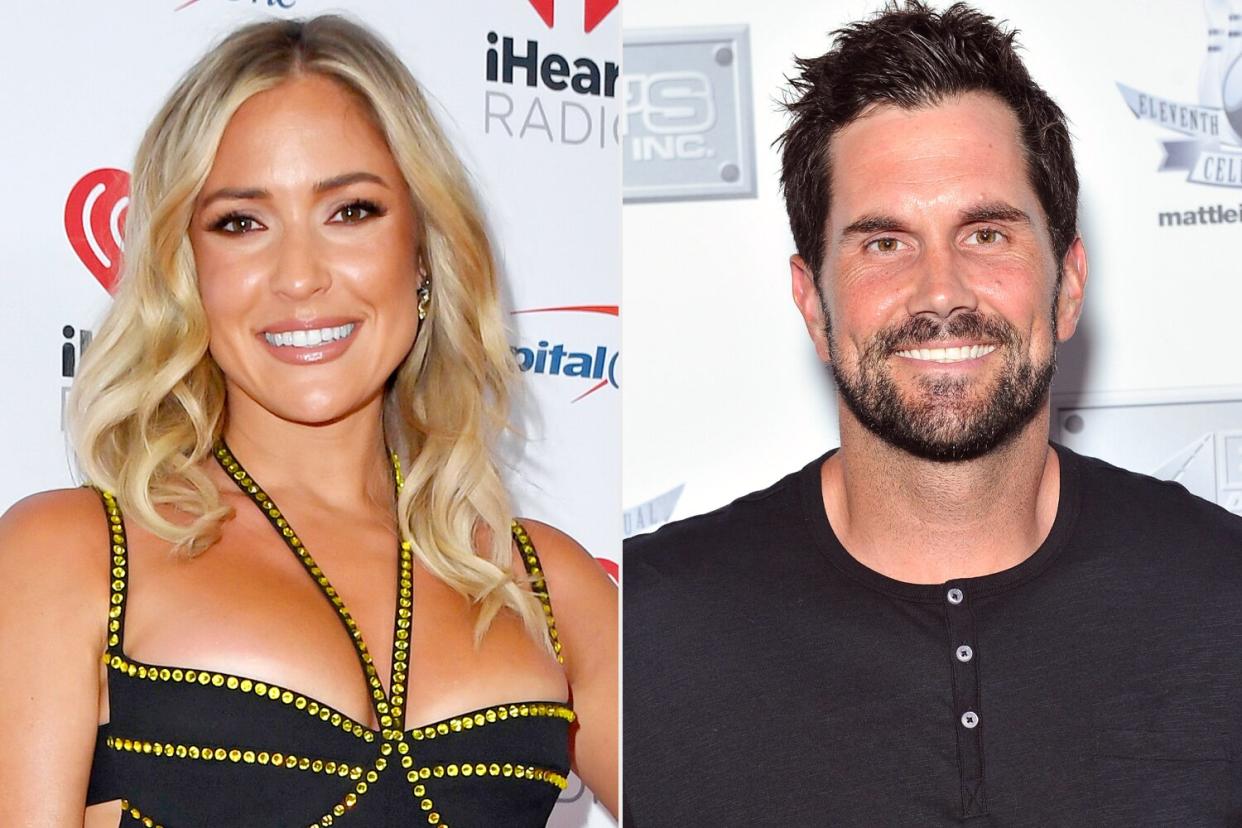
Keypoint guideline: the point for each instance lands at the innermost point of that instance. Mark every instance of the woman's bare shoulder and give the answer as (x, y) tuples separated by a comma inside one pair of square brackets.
[(583, 597), (584, 603), (53, 620), (54, 544), (564, 559)]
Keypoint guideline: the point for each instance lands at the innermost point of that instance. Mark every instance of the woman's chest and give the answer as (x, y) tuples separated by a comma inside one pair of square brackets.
[(338, 631)]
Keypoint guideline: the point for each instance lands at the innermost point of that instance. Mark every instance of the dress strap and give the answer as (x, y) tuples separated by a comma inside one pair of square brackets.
[(120, 574), (530, 558)]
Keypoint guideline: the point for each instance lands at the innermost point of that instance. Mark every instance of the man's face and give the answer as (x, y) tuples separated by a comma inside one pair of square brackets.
[(937, 305)]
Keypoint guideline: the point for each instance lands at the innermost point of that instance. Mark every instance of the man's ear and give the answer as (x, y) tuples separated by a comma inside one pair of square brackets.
[(809, 303), (1073, 284)]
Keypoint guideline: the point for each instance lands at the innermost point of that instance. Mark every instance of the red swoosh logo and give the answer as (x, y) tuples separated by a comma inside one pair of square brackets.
[(610, 310), (590, 391)]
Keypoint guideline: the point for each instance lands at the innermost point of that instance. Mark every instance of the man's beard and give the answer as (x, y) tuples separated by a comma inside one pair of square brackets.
[(949, 420)]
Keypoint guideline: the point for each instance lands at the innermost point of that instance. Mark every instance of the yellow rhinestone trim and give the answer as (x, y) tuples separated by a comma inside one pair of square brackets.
[(540, 587), (415, 777), (482, 769), (248, 756), (390, 709), (204, 677), (129, 808), (120, 568), (396, 471), (362, 784), (401, 639), (248, 485), (239, 684), (491, 715)]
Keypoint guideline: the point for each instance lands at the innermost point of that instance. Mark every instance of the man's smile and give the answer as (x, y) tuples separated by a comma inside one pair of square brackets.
[(948, 355)]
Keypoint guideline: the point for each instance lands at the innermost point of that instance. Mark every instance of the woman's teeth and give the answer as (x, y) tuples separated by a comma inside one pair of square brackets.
[(308, 339)]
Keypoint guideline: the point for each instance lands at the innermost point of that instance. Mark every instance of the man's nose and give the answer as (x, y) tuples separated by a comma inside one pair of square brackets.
[(941, 284)]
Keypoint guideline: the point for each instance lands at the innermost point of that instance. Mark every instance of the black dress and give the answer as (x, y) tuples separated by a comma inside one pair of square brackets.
[(187, 747)]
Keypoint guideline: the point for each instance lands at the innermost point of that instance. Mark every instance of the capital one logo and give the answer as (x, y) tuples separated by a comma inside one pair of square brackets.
[(668, 115), (95, 222), (584, 362), (593, 11)]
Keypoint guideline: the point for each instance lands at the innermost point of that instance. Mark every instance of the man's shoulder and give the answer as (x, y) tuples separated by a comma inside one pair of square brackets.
[(731, 537), (1117, 501)]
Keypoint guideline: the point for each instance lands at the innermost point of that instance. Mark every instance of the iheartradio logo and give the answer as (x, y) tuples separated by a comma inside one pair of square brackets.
[(95, 222)]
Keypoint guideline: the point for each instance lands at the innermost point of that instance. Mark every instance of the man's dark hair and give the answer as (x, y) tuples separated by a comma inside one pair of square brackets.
[(912, 56)]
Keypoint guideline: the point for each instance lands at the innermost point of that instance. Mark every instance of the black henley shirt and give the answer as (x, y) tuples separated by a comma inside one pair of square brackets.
[(772, 679)]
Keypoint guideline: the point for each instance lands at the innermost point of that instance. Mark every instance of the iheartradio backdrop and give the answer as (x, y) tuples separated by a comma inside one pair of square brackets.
[(82, 80), (725, 394)]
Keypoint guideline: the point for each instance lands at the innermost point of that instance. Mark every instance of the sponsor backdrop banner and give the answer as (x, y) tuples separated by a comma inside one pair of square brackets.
[(687, 101), (526, 90), (725, 394)]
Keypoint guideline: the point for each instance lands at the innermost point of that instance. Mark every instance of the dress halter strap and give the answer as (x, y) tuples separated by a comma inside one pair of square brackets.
[(120, 574), (530, 558), (389, 706), (119, 581)]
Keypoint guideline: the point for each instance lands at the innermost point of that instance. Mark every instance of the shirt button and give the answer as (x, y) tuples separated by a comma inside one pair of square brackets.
[(964, 653), (969, 719), (955, 596)]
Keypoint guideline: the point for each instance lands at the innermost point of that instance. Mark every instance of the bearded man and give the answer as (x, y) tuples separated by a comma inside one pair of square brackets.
[(948, 617)]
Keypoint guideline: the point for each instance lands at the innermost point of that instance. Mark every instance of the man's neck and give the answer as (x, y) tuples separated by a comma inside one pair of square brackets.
[(922, 521)]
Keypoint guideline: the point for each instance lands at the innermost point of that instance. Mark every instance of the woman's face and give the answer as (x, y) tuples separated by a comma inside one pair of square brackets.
[(306, 246)]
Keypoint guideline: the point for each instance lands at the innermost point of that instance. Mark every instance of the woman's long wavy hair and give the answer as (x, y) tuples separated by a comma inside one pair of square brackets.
[(149, 401)]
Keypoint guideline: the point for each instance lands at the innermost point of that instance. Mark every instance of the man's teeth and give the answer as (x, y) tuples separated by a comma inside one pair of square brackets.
[(308, 339), (948, 354)]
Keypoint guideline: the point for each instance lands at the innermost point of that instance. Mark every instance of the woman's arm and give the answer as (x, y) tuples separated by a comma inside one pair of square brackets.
[(584, 602), (53, 614)]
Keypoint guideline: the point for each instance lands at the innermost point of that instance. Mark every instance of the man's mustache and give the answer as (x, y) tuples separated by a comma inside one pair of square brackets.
[(921, 331)]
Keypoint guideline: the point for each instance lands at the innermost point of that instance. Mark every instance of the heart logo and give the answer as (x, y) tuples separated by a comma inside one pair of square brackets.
[(594, 11), (95, 222)]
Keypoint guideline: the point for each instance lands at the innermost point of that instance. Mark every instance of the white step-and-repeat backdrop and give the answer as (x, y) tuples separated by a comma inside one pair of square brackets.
[(724, 394), (82, 80)]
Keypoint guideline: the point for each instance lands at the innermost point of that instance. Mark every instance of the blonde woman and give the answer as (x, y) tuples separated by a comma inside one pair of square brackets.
[(295, 594)]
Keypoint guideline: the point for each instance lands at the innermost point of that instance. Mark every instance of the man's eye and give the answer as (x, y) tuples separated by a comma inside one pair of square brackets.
[(985, 235), (356, 211), (885, 245)]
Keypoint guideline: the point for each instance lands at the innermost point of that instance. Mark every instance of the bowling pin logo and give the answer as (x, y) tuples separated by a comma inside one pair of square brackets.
[(1204, 132), (1219, 41), (1229, 67)]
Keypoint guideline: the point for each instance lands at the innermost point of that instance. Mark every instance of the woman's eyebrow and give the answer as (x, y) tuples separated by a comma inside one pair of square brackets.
[(348, 178), (332, 183)]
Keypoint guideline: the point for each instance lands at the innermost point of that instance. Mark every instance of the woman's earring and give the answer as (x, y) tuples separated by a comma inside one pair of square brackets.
[(424, 298)]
